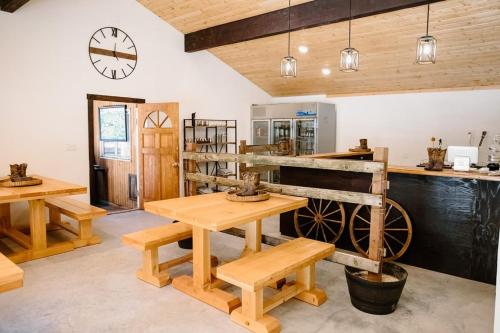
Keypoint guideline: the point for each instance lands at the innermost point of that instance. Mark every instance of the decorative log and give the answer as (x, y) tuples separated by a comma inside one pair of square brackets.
[(308, 192), (341, 165)]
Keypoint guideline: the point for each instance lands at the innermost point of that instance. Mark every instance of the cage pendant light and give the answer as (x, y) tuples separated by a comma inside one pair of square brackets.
[(289, 63), (426, 45), (349, 57)]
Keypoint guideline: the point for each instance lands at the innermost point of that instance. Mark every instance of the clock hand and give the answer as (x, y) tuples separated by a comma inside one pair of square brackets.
[(114, 51), (111, 53)]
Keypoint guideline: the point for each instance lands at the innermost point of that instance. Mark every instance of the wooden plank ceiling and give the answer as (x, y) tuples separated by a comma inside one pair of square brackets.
[(468, 36)]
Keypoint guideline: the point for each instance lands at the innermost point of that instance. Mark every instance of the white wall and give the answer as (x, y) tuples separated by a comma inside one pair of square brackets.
[(406, 122), (45, 74)]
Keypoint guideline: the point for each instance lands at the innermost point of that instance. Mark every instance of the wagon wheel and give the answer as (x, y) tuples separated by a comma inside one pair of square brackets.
[(397, 230), (322, 220)]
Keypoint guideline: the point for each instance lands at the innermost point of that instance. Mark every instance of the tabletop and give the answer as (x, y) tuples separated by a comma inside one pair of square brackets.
[(49, 188), (214, 212)]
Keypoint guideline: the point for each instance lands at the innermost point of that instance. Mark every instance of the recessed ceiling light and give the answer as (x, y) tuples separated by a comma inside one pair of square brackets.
[(326, 71), (303, 49)]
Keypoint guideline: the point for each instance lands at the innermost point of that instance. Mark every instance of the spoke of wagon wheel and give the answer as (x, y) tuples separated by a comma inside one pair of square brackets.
[(338, 210), (390, 249), (326, 208), (333, 232), (317, 230), (323, 231), (336, 221), (306, 216), (314, 205), (359, 240), (309, 209), (397, 240), (311, 229), (395, 229), (388, 211), (363, 229), (320, 204), (394, 220), (363, 219), (308, 222)]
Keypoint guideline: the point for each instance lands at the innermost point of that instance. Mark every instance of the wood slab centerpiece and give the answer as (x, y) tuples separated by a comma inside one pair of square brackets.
[(18, 177), (250, 191)]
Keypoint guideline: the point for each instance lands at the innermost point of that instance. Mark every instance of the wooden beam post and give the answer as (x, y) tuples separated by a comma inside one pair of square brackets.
[(307, 15), (242, 151), (379, 186)]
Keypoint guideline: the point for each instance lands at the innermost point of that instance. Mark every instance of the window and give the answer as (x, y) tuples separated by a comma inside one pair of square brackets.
[(114, 132)]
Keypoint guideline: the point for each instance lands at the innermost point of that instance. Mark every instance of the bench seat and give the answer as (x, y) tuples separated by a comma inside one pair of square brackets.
[(148, 241), (253, 273), (11, 276), (79, 211)]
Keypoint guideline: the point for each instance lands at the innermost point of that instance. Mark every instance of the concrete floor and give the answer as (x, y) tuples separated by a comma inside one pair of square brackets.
[(94, 289)]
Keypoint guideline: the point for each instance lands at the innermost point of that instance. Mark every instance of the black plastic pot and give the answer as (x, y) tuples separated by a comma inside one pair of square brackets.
[(187, 243), (376, 297)]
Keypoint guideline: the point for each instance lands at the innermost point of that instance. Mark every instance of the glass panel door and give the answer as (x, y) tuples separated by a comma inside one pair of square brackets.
[(305, 139), (260, 132), (282, 130)]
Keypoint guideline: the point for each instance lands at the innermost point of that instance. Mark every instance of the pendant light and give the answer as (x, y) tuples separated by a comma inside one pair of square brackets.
[(289, 63), (349, 57), (426, 45)]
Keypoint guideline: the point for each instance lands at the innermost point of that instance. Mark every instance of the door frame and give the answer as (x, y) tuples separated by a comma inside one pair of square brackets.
[(90, 104)]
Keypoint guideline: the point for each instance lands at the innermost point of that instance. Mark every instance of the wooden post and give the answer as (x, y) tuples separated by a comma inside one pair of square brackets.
[(190, 167), (243, 150), (379, 186)]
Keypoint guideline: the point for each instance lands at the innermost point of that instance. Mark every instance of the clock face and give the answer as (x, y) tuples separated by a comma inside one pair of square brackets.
[(113, 53)]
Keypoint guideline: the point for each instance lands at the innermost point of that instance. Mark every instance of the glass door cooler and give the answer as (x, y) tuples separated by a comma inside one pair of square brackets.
[(305, 136)]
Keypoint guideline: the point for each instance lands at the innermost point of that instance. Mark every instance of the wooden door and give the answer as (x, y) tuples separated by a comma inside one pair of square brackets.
[(158, 151)]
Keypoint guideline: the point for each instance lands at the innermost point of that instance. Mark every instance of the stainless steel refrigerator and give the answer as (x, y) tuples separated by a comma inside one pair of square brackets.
[(312, 126)]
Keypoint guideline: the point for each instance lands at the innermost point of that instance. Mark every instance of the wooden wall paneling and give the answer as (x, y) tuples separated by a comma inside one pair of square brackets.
[(117, 170)]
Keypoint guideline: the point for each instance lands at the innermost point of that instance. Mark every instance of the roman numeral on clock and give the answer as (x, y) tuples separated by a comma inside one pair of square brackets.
[(114, 32), (113, 74)]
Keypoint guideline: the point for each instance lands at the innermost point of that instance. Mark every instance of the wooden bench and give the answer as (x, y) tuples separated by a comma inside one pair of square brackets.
[(11, 276), (148, 241), (82, 212), (254, 272)]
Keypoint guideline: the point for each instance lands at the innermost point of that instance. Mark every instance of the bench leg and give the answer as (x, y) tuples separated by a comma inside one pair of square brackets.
[(150, 271), (311, 295), (251, 313), (85, 233)]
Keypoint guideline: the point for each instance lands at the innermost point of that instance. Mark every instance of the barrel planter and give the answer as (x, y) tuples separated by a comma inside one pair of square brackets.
[(376, 297)]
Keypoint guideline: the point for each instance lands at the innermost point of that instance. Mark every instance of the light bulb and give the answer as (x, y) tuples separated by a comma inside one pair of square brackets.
[(303, 49), (326, 71)]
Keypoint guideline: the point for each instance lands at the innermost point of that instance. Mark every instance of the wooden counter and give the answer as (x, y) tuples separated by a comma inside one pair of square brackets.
[(444, 173), (410, 170), (455, 215)]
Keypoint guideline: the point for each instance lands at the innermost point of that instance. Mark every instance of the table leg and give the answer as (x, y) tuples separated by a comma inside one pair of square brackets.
[(4, 217), (199, 286), (253, 238), (37, 224), (38, 233)]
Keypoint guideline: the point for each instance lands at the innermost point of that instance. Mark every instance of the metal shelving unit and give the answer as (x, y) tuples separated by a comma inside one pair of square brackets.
[(213, 136)]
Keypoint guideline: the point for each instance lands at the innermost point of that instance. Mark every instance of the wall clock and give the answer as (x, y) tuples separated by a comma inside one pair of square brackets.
[(113, 53)]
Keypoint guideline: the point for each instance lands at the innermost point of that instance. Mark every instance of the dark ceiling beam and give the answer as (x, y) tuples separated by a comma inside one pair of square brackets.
[(304, 16), (11, 5)]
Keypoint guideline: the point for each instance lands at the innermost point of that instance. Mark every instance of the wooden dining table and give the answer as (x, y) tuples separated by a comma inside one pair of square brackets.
[(213, 212), (35, 244)]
